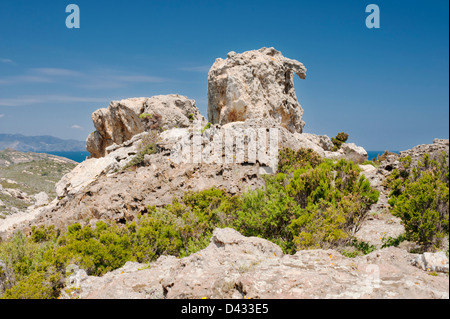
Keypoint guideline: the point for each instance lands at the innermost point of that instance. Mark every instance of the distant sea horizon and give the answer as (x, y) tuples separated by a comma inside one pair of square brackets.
[(74, 156), (374, 154), (81, 156)]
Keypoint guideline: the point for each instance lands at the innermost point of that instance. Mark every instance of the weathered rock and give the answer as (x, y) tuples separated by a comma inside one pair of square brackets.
[(116, 124), (82, 175), (321, 140), (234, 266), (378, 226), (250, 142), (96, 144), (91, 169), (255, 85), (98, 193), (18, 194), (124, 119), (437, 150), (41, 199), (306, 141), (176, 111), (23, 220), (349, 151), (390, 163), (432, 262)]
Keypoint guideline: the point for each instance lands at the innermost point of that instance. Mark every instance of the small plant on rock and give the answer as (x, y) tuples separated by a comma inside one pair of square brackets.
[(152, 122), (340, 139), (147, 147)]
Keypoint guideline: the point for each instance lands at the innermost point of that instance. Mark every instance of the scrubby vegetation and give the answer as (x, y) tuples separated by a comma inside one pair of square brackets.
[(289, 159), (382, 157), (146, 147), (340, 139), (152, 122), (420, 197), (311, 203)]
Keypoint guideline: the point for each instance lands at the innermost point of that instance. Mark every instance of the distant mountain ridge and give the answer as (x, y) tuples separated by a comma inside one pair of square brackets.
[(43, 143)]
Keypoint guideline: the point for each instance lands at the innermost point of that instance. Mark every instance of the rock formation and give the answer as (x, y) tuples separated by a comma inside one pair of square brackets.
[(253, 85), (435, 150), (349, 151), (123, 119)]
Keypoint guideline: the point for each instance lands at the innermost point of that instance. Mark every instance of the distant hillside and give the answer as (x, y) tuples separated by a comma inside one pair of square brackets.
[(40, 143), (23, 176)]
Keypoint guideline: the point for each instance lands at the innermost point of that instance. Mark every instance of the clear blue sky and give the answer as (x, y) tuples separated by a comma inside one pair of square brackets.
[(387, 87)]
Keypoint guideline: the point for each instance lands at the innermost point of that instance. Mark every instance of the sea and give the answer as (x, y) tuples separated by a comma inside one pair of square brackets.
[(81, 156), (374, 154), (74, 156)]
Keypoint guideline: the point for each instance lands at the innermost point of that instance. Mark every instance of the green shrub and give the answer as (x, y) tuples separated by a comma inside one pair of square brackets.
[(146, 115), (420, 197), (363, 247), (152, 122), (332, 201), (382, 157), (340, 139), (31, 274), (392, 241), (267, 213), (147, 147), (153, 236), (289, 159), (358, 248), (96, 250), (38, 285)]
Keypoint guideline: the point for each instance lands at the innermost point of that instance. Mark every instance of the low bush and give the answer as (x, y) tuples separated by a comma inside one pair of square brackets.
[(289, 159), (152, 122), (420, 197), (146, 147), (332, 201), (392, 241), (357, 248), (340, 139), (382, 157)]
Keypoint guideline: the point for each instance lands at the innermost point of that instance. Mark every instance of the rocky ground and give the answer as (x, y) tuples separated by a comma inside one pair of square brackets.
[(234, 266)]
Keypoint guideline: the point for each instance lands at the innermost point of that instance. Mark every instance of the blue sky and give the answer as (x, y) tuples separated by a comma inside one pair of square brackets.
[(387, 87)]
